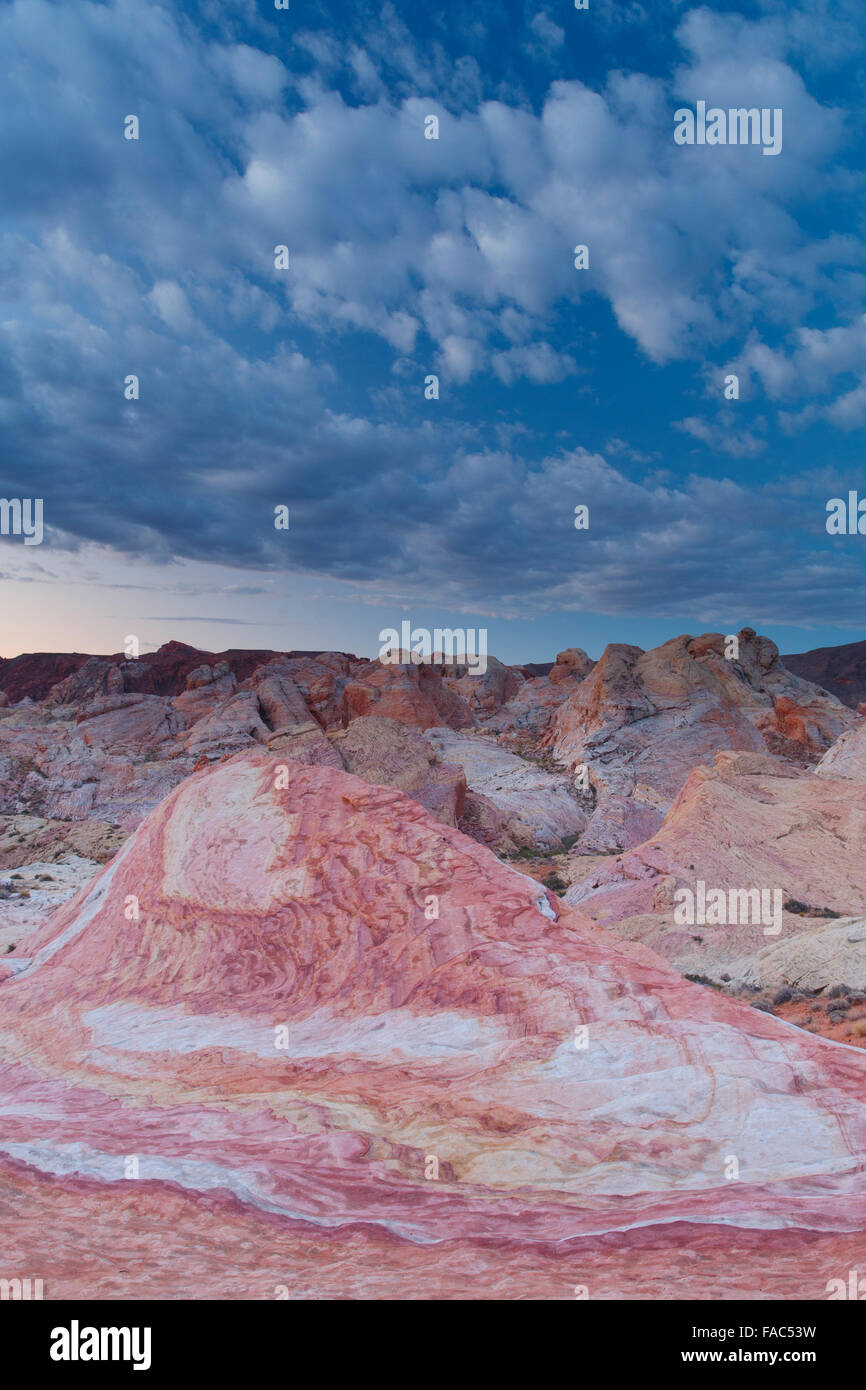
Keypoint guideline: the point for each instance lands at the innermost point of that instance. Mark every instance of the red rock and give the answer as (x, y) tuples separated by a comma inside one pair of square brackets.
[(572, 664), (490, 825), (96, 677), (125, 723), (96, 749), (321, 683), (525, 718), (204, 696), (409, 1036), (232, 726), (33, 673), (795, 731), (415, 695), (163, 672), (483, 693), (280, 701)]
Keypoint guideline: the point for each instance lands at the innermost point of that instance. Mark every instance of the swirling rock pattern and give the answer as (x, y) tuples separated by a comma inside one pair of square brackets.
[(345, 1048)]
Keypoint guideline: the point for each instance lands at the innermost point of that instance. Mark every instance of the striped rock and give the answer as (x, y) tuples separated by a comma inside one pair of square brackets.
[(300, 1036)]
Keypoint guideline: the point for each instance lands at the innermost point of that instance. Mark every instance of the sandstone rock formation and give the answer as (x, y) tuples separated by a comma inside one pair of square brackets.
[(640, 722), (484, 692), (162, 672), (817, 960), (750, 821), (32, 674), (847, 756), (344, 1047), (112, 737), (102, 745), (388, 753), (415, 694), (534, 808), (573, 662)]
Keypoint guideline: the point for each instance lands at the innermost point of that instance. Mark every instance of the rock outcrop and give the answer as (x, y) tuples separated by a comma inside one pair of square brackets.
[(749, 822), (486, 692), (533, 808), (32, 674), (103, 745), (390, 754), (847, 756), (310, 1037), (417, 695), (641, 721), (819, 960), (570, 664)]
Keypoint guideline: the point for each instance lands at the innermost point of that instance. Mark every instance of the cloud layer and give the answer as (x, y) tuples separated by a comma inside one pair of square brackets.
[(408, 256)]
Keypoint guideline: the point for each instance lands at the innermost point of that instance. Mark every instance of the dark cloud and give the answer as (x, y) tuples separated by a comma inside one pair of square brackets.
[(155, 258)]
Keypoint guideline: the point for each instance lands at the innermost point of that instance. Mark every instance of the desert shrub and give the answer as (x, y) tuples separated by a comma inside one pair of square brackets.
[(555, 883)]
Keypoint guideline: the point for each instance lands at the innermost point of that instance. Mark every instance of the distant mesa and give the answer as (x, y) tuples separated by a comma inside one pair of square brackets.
[(841, 670)]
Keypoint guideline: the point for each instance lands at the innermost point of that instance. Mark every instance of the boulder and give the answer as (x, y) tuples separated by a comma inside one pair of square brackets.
[(847, 756), (572, 664), (817, 960), (413, 694), (388, 753)]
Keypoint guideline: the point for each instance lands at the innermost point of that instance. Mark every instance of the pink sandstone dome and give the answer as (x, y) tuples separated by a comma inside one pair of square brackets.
[(284, 1001)]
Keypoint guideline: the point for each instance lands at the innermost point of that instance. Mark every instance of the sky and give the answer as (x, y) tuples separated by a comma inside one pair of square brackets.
[(307, 386)]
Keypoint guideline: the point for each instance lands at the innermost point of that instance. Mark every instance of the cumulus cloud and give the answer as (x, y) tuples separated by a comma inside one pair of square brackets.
[(156, 257), (391, 232), (723, 435)]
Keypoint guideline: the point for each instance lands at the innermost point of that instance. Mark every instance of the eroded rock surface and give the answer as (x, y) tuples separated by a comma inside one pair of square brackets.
[(534, 808), (328, 1085), (641, 721), (388, 753), (749, 821)]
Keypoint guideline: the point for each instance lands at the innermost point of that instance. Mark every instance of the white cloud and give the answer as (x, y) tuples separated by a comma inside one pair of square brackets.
[(388, 230), (170, 302), (723, 435)]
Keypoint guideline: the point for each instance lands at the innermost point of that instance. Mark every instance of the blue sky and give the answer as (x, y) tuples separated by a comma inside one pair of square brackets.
[(305, 387)]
